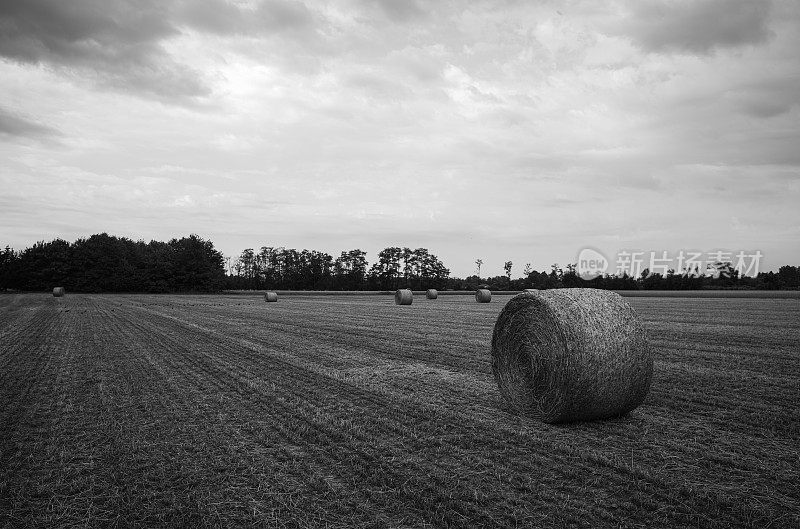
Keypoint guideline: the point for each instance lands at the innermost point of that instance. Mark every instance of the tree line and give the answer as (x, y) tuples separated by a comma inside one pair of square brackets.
[(105, 263), (787, 278), (290, 269)]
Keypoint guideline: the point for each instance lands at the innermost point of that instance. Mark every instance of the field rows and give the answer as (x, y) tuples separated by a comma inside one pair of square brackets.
[(341, 412)]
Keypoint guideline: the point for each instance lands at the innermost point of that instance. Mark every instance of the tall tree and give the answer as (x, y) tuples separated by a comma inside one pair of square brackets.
[(350, 270), (45, 265), (386, 271), (507, 267), (197, 265), (9, 274), (246, 266)]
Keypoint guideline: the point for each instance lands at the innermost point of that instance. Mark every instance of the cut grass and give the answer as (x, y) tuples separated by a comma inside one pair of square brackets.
[(209, 410)]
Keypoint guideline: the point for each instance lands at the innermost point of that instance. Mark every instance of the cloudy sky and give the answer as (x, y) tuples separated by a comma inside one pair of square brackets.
[(503, 130)]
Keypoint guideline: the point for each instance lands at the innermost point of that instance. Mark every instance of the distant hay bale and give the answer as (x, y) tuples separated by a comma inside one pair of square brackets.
[(531, 290), (271, 296), (571, 355), (431, 293), (58, 292), (483, 295), (403, 296)]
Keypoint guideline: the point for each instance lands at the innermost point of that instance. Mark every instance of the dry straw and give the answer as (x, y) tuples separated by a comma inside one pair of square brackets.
[(58, 292), (271, 296), (431, 293), (483, 295), (571, 355), (403, 296)]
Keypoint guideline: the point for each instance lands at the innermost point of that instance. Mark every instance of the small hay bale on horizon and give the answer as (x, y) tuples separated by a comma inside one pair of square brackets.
[(431, 293), (271, 297), (483, 295), (403, 296), (572, 354), (58, 292)]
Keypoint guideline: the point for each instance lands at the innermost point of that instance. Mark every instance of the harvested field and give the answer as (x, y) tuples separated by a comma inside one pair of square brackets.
[(350, 411)]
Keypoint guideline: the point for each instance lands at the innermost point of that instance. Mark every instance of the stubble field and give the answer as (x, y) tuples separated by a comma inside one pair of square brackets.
[(351, 411)]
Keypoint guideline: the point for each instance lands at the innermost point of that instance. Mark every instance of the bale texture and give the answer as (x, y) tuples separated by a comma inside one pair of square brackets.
[(403, 296), (572, 354), (431, 293), (58, 292), (483, 295), (271, 296)]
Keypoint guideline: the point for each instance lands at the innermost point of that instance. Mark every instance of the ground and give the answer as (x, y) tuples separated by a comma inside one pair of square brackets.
[(352, 411)]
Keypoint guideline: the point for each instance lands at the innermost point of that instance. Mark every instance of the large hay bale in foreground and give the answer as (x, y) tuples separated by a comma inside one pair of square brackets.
[(58, 292), (483, 295), (271, 296), (571, 355), (431, 293), (403, 296)]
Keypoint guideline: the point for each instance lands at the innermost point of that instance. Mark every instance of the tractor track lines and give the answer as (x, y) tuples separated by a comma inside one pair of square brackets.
[(308, 391), (178, 409), (328, 419)]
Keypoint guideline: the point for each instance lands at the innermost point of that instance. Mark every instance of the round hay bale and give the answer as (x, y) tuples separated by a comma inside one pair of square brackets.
[(531, 290), (431, 293), (271, 296), (571, 355), (58, 292), (483, 295), (403, 296)]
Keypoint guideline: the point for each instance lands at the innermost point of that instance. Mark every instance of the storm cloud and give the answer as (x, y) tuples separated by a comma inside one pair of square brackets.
[(115, 43), (13, 125), (691, 26), (225, 18)]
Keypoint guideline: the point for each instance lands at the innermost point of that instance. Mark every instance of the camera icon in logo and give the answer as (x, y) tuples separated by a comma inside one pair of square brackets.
[(591, 264)]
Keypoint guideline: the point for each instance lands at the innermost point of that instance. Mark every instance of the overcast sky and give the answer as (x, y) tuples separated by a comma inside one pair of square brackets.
[(519, 131)]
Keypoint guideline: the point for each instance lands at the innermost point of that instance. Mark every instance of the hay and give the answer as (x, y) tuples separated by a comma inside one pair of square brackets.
[(483, 295), (271, 296), (403, 296), (58, 292), (571, 355), (431, 293)]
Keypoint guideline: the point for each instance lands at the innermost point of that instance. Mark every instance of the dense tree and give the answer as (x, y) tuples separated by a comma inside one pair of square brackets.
[(246, 266), (156, 262), (789, 276), (402, 267), (44, 265), (385, 273), (197, 266), (350, 270), (283, 268), (9, 268), (105, 263)]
